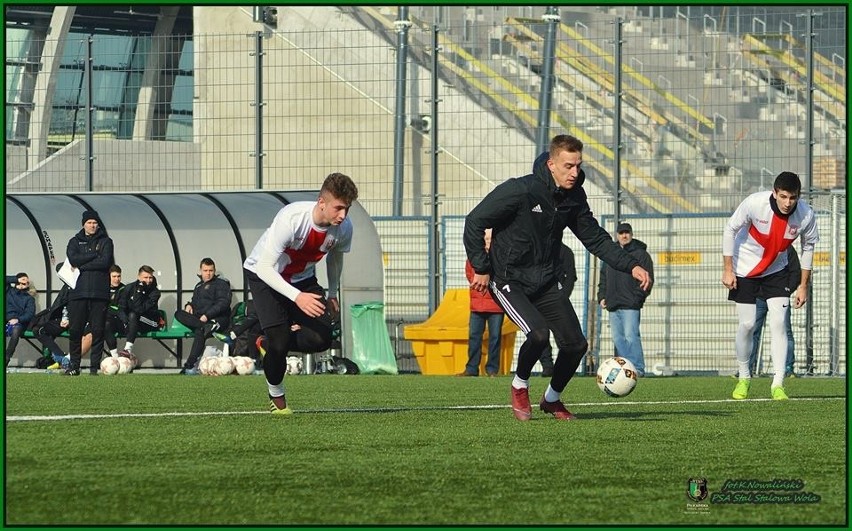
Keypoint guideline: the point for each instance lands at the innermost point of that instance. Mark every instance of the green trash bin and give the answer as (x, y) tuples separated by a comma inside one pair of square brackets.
[(371, 346)]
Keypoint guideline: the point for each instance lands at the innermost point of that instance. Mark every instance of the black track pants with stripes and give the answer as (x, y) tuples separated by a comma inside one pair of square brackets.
[(537, 315)]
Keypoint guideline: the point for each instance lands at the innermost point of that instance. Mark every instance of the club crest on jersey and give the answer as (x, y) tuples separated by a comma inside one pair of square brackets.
[(328, 244)]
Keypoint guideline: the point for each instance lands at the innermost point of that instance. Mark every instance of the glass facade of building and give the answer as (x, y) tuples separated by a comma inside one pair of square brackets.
[(118, 66)]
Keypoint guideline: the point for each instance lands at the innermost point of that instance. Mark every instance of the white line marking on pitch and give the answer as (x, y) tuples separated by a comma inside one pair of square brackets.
[(19, 418)]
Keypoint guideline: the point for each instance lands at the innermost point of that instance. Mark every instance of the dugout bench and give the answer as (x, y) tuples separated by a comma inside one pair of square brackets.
[(176, 331)]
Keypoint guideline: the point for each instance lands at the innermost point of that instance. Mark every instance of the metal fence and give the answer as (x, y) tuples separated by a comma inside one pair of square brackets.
[(683, 111)]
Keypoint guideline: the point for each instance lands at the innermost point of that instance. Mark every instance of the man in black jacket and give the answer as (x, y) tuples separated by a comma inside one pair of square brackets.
[(20, 310), (619, 295), (208, 311), (137, 311), (529, 215), (90, 251)]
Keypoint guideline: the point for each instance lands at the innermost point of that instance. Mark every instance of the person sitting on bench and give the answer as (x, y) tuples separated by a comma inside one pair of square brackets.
[(209, 310), (137, 312)]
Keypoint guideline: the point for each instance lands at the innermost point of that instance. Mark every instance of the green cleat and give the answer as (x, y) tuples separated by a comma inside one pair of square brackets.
[(275, 406), (741, 390), (779, 394)]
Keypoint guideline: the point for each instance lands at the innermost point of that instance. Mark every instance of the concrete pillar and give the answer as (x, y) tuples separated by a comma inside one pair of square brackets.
[(158, 80), (45, 86)]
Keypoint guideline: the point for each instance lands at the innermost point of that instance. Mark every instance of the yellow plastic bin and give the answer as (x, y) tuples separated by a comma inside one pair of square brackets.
[(440, 343)]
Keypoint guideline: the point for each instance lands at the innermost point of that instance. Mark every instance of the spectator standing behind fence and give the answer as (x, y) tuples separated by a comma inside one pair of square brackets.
[(621, 296), (528, 216), (568, 279), (138, 311), (207, 311), (281, 272), (795, 275), (754, 244), (90, 251), (20, 310), (483, 310)]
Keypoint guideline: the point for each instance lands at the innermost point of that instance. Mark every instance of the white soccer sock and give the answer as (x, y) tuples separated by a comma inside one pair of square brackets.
[(550, 395), (775, 316), (518, 383), (745, 337), (275, 390), (128, 346), (113, 352)]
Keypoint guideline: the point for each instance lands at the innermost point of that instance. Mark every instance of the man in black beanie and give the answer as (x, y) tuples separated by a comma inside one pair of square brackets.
[(90, 251)]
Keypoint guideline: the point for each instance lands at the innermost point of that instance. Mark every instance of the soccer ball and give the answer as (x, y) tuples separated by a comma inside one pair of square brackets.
[(294, 365), (134, 361), (224, 366), (244, 364), (109, 365), (617, 377), (207, 365), (124, 365)]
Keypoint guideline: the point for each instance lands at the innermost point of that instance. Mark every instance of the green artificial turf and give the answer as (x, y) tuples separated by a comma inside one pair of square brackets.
[(415, 450)]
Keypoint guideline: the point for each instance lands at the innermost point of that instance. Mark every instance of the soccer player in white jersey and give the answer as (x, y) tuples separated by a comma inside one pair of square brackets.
[(754, 252), (282, 278)]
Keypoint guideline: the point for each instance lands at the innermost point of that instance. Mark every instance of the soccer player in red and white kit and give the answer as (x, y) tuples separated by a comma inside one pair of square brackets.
[(754, 251), (282, 278)]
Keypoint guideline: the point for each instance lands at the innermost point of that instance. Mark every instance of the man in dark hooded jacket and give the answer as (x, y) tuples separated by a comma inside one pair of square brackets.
[(528, 216), (90, 251), (20, 310), (619, 294), (208, 311)]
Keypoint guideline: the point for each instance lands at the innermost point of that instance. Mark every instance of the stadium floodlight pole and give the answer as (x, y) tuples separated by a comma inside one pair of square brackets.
[(616, 125), (402, 25), (545, 99), (90, 109), (258, 110)]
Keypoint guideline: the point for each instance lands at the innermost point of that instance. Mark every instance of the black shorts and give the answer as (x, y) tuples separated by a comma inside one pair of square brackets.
[(768, 287), (273, 308)]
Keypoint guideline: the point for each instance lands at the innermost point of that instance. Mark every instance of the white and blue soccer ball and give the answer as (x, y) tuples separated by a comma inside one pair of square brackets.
[(617, 377)]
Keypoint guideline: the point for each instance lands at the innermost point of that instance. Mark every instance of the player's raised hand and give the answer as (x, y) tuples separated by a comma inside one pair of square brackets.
[(310, 303)]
